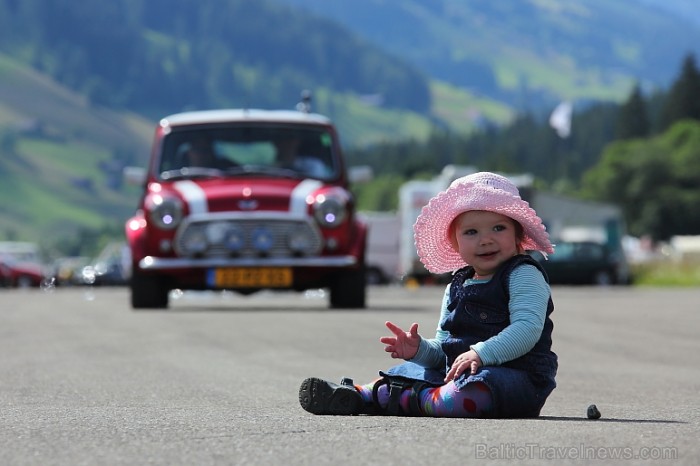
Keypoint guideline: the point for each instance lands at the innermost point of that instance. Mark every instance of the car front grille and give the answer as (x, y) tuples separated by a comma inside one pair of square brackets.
[(237, 236)]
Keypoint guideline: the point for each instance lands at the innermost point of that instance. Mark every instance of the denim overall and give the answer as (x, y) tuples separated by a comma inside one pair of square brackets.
[(479, 311)]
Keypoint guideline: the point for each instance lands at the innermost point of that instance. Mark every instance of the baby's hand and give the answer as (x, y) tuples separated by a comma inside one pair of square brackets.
[(403, 345), (465, 362)]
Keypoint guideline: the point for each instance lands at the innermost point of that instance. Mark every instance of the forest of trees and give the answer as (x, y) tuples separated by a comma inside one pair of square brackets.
[(150, 56), (643, 155)]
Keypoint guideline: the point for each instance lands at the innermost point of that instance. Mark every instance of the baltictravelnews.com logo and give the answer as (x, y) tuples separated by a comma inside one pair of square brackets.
[(512, 451)]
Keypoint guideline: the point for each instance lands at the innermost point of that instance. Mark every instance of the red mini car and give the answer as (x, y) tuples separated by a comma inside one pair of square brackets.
[(246, 200)]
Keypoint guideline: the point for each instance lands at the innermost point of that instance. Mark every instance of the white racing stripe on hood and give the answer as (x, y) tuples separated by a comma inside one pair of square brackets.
[(193, 195), (297, 203)]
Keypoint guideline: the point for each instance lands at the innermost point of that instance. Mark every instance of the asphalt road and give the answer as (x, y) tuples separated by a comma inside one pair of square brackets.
[(84, 380)]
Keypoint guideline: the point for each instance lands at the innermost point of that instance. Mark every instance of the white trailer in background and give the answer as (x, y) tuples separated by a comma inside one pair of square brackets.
[(383, 238)]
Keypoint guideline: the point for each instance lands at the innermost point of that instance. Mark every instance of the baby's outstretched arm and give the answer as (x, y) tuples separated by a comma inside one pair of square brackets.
[(403, 345)]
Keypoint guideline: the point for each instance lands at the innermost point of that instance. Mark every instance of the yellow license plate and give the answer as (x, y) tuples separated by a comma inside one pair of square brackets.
[(265, 277)]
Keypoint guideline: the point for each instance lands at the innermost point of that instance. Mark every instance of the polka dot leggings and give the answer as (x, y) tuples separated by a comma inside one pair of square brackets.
[(474, 400)]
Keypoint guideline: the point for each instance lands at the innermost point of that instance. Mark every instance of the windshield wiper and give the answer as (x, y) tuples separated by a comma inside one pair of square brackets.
[(263, 170), (191, 172)]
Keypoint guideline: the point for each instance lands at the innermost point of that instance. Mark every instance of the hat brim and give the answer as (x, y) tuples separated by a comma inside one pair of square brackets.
[(431, 230)]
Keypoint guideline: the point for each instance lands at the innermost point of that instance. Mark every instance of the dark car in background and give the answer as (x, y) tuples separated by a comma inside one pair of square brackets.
[(585, 263), (111, 267)]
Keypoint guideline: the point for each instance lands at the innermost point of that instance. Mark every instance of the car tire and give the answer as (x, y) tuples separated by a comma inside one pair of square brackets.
[(374, 276), (23, 281), (148, 292), (349, 290)]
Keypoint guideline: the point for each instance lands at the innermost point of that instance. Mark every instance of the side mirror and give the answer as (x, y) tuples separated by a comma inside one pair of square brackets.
[(135, 176)]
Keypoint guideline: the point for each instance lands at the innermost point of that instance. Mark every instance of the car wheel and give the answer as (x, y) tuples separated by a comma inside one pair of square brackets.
[(148, 292), (24, 281), (348, 290), (374, 276), (603, 278)]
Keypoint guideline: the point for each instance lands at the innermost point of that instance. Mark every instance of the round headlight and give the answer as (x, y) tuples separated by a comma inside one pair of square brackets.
[(329, 210), (234, 239), (216, 232), (165, 212), (194, 241), (262, 239)]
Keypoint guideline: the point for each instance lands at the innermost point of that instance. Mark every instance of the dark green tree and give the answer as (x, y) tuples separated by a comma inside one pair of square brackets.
[(683, 99), (655, 181), (633, 120)]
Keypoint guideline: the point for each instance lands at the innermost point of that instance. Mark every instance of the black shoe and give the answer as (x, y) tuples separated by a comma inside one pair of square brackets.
[(318, 396)]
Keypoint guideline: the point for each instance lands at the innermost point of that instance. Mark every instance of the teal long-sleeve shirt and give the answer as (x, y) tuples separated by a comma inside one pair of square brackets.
[(529, 296)]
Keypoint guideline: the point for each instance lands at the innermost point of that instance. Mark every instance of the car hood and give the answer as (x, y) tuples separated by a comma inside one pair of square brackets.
[(29, 268), (225, 195)]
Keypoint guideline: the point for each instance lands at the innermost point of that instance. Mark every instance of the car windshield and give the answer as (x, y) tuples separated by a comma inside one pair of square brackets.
[(562, 252), (249, 150), (577, 251)]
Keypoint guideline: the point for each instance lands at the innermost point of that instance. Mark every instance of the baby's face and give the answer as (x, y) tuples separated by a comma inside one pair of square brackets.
[(485, 240)]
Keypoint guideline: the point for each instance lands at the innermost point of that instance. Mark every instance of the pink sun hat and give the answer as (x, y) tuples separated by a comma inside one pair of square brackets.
[(478, 191)]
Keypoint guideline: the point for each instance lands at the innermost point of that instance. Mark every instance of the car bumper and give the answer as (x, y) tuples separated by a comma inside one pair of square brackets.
[(160, 263)]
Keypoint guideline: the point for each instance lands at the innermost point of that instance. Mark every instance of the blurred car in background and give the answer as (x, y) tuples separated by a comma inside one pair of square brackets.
[(20, 274), (584, 263), (110, 267), (67, 271), (20, 264)]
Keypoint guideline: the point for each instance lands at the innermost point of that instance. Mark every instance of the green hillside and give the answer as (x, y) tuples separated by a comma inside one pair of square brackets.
[(527, 53), (60, 158)]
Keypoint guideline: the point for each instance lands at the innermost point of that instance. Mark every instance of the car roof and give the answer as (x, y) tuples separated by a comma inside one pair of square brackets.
[(241, 115)]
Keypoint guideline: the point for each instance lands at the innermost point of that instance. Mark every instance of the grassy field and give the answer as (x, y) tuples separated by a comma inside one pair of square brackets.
[(55, 154), (667, 273), (54, 188)]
